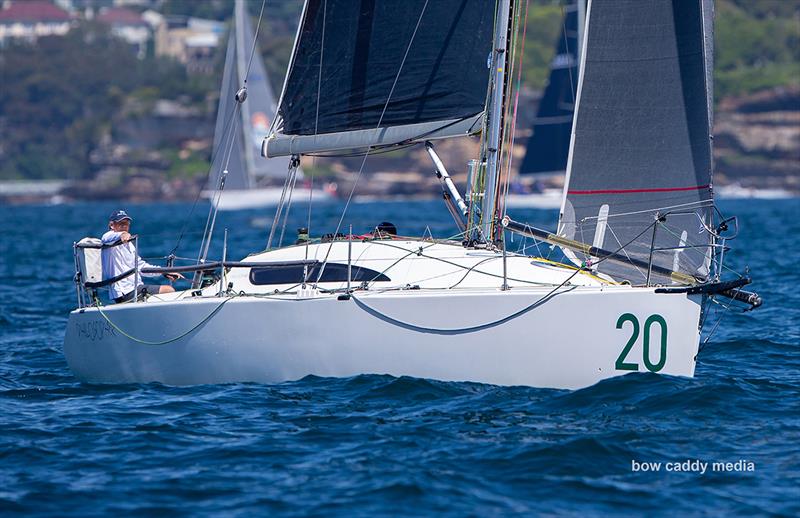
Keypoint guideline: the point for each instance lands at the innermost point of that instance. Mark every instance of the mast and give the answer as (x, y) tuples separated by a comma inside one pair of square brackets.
[(495, 119), (241, 68)]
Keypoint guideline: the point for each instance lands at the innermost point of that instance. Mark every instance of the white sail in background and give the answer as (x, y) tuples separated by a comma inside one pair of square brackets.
[(246, 165)]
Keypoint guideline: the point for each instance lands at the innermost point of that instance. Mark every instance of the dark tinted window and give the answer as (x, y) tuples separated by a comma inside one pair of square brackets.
[(292, 273)]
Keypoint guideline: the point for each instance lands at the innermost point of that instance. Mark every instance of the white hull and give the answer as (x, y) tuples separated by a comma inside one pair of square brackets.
[(471, 333), (262, 198)]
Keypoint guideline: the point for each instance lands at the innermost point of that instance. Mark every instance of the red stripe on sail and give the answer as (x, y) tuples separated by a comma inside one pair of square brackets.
[(631, 191)]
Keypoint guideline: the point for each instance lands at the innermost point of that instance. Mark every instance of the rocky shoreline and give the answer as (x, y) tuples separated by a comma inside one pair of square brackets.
[(756, 148)]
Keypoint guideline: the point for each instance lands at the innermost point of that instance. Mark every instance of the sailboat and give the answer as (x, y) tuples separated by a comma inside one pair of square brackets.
[(641, 239), (548, 147), (250, 181)]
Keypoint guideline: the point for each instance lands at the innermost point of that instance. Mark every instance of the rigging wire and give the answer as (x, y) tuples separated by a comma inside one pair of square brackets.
[(291, 177), (566, 46), (316, 123), (288, 205), (212, 217), (513, 121), (293, 164), (255, 40), (542, 300), (214, 208), (366, 155), (211, 168)]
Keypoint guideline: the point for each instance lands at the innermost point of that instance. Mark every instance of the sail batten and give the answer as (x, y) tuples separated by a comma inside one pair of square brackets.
[(394, 69), (641, 142)]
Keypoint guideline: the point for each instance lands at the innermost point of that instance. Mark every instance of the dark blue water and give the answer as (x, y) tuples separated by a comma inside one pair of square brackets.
[(377, 445)]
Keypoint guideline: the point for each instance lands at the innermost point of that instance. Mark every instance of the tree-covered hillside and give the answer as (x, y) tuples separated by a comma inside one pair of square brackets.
[(60, 98), (757, 44)]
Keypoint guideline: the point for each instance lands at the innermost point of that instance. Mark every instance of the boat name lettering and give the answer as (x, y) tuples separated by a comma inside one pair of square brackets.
[(95, 330), (621, 364)]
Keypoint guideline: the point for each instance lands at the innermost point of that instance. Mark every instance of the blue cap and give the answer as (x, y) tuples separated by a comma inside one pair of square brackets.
[(119, 215)]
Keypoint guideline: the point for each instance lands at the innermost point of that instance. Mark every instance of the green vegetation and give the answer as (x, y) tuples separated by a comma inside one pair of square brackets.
[(543, 30), (61, 97), (757, 45), (317, 168), (186, 164)]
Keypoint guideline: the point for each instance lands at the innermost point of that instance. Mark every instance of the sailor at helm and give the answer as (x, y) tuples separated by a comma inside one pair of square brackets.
[(123, 258)]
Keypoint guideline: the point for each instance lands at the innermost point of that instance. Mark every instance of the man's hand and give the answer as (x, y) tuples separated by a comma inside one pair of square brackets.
[(173, 276), (125, 237)]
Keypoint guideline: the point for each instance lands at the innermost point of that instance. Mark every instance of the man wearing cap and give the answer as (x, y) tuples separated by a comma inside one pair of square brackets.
[(123, 258)]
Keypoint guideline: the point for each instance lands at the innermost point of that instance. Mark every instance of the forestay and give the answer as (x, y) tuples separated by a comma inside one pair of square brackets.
[(381, 72), (245, 165), (641, 141)]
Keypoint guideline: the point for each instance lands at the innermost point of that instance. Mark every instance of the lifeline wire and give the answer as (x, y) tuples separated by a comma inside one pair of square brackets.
[(162, 342), (383, 316), (552, 293)]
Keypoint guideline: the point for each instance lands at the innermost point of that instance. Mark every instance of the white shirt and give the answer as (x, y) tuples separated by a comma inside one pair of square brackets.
[(118, 260)]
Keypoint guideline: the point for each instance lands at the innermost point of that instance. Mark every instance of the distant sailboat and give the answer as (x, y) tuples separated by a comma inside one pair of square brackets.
[(548, 146), (251, 181)]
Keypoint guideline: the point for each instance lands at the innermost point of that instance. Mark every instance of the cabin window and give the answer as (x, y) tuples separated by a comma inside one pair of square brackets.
[(292, 273)]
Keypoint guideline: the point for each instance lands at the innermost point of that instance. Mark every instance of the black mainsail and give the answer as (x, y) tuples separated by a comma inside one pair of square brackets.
[(641, 145), (369, 73)]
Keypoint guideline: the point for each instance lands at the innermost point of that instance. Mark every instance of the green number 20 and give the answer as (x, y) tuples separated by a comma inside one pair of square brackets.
[(621, 364)]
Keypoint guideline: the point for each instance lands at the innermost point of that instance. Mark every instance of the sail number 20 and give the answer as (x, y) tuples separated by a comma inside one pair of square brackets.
[(621, 364)]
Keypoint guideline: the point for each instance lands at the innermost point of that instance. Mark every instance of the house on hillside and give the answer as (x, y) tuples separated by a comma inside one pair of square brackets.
[(31, 19), (129, 26), (192, 41)]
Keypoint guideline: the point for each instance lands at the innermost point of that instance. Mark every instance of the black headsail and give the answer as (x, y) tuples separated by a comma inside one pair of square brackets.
[(641, 145), (380, 72)]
